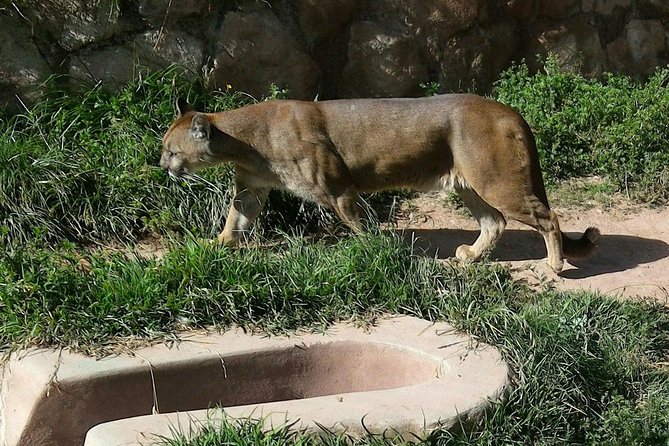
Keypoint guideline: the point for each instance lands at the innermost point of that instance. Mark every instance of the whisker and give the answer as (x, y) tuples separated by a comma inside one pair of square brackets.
[(197, 179)]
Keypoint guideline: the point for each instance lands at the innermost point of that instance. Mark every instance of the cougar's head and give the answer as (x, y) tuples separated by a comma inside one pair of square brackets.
[(186, 144)]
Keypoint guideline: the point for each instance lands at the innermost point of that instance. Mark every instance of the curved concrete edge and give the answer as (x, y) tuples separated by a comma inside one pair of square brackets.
[(468, 379), (410, 412), (50, 397)]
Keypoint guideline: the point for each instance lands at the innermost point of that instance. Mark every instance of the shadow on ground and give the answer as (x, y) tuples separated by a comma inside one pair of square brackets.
[(616, 252)]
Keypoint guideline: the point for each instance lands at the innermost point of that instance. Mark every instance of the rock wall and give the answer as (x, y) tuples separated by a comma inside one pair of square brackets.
[(333, 48)]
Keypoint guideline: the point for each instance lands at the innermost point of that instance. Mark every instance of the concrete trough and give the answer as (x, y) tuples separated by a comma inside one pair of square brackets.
[(404, 376)]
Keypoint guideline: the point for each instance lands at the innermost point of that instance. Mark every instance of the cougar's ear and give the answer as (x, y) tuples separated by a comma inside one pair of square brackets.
[(182, 106), (200, 128)]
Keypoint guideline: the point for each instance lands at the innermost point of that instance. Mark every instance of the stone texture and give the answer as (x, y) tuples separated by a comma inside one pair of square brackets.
[(639, 51), (645, 47), (114, 66), (160, 12), (320, 20), (165, 46), (331, 49), (75, 23), (575, 42), (117, 65), (381, 64), (23, 69), (657, 7), (604, 7), (472, 61), (445, 17), (552, 9), (255, 50)]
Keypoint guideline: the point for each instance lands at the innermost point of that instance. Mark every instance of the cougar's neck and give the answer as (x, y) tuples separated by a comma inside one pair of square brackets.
[(228, 144)]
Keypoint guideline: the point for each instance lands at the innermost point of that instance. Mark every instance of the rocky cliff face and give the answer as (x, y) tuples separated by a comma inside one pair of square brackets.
[(333, 48)]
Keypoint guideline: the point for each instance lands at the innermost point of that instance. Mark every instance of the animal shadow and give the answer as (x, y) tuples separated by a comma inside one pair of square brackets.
[(616, 252)]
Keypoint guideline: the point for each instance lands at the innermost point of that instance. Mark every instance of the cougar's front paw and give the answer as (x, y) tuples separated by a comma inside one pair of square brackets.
[(226, 240)]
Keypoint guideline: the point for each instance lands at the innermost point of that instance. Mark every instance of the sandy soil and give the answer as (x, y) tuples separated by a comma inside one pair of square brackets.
[(632, 260)]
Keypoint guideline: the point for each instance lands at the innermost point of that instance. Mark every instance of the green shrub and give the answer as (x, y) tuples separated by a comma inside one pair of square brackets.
[(640, 422), (613, 127)]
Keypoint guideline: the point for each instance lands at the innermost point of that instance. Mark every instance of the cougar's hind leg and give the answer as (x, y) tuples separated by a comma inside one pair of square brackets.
[(553, 239), (333, 187), (490, 220), (537, 215)]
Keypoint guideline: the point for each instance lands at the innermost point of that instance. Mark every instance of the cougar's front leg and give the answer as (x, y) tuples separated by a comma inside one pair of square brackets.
[(351, 209), (246, 205)]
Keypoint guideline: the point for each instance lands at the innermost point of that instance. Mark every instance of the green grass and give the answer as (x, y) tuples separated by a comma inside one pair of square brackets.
[(585, 364), (63, 297), (249, 432), (85, 168)]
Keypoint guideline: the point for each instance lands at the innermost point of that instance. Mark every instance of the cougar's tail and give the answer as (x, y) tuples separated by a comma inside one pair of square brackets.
[(582, 247)]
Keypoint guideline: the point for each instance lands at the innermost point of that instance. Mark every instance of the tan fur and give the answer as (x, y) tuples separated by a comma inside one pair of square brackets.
[(331, 151)]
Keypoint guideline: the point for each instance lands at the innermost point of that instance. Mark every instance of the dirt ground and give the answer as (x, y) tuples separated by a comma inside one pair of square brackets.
[(632, 259)]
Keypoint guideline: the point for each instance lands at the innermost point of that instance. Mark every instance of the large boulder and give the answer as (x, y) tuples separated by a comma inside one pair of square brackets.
[(324, 26), (381, 64), (640, 50), (442, 18), (160, 12), (552, 9), (23, 69), (657, 8), (436, 22), (575, 43), (74, 24), (165, 46), (604, 7), (254, 50), (114, 66), (153, 50), (321, 20), (474, 60)]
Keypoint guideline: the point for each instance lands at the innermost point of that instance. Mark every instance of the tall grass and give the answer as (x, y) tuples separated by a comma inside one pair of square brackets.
[(84, 168), (66, 297), (250, 432)]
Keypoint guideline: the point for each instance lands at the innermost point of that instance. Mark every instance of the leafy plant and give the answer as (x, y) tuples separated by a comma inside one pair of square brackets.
[(430, 88), (613, 127)]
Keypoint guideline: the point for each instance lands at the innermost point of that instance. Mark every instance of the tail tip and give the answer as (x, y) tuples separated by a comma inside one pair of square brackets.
[(592, 234)]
